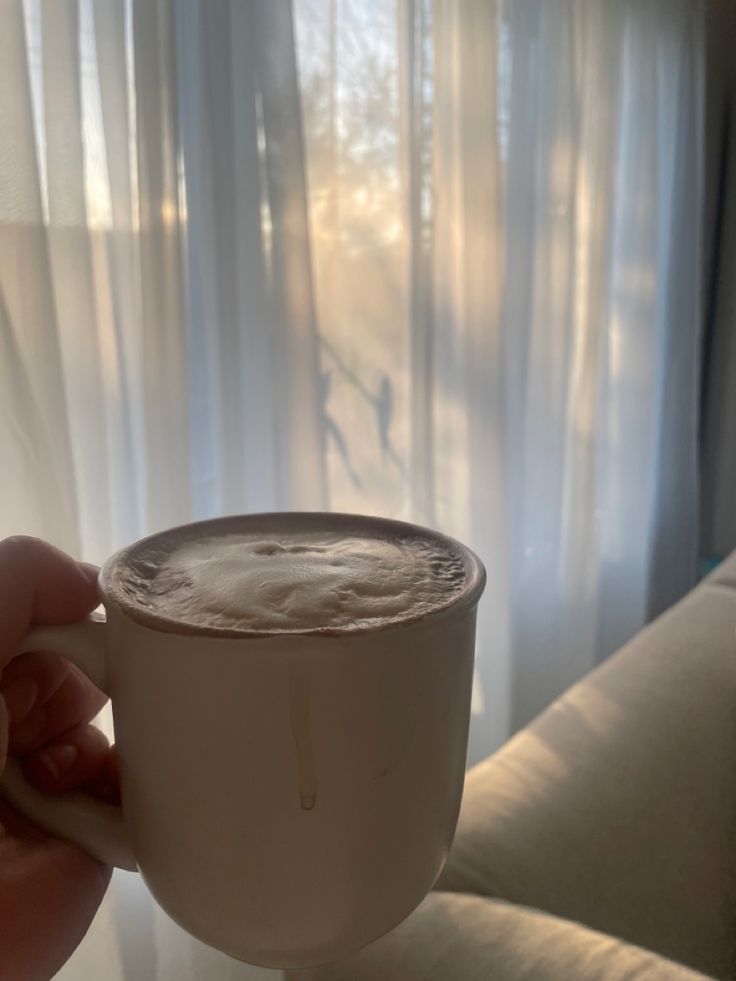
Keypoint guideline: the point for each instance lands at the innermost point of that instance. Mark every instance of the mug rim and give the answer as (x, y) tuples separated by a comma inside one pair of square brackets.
[(475, 574)]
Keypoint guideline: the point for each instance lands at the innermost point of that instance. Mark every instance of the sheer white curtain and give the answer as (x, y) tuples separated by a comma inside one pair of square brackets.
[(430, 259)]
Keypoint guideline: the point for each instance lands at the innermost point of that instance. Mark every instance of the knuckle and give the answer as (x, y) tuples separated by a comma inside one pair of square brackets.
[(20, 547)]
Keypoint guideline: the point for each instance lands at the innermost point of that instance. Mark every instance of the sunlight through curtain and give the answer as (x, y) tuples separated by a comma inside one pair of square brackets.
[(432, 260)]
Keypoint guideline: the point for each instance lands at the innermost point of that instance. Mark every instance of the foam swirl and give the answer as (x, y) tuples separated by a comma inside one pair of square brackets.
[(299, 581)]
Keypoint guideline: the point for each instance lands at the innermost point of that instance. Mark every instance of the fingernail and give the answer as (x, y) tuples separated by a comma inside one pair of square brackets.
[(58, 759), (20, 697)]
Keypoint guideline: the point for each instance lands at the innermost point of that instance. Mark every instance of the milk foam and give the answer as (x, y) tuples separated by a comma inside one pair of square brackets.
[(294, 582)]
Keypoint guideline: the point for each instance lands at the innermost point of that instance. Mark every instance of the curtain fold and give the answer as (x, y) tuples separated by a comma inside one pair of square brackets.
[(718, 515), (469, 413), (39, 480), (433, 260)]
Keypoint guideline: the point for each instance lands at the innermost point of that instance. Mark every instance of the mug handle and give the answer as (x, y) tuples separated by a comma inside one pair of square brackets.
[(97, 827)]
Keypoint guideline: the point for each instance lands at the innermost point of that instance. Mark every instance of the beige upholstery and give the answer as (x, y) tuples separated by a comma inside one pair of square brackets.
[(616, 809), (470, 938), (617, 806)]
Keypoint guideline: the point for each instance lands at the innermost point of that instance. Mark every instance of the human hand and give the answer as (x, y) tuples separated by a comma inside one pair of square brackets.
[(49, 889)]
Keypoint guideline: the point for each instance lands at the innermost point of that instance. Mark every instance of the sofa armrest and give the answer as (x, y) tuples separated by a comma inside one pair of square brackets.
[(617, 806), (453, 937)]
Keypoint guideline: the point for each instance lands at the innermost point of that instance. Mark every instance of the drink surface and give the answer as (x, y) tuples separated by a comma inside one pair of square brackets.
[(294, 580)]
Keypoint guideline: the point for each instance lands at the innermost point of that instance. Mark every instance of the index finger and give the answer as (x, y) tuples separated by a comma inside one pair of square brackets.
[(39, 584)]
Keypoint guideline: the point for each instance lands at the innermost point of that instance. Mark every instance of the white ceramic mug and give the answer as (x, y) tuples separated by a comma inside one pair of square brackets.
[(287, 798)]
